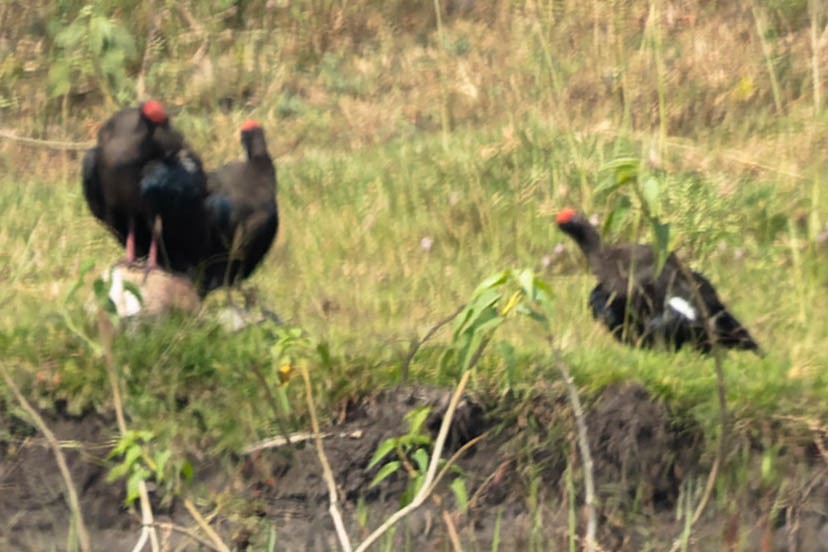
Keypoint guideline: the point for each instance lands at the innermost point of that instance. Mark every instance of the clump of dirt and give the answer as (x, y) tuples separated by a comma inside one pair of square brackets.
[(514, 478), (638, 452)]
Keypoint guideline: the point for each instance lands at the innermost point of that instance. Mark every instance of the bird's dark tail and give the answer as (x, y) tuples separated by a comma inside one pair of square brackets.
[(731, 334)]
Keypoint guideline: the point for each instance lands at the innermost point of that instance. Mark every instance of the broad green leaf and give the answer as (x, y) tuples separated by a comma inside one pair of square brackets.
[(97, 35), (622, 171), (461, 496), (112, 64), (416, 418), (135, 290), (382, 450), (186, 470), (616, 219), (478, 306), (526, 279), (161, 459), (416, 483), (282, 400), (414, 439), (650, 191), (118, 472), (132, 454), (493, 281), (385, 471), (133, 482), (421, 458)]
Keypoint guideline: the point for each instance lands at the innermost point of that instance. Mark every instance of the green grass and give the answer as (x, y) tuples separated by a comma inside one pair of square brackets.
[(349, 268)]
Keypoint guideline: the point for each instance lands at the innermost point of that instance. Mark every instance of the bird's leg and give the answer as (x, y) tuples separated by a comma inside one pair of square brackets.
[(152, 260), (130, 243), (229, 284)]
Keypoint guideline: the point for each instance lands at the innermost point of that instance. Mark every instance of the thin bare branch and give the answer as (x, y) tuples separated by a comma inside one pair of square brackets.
[(417, 343), (327, 473), (71, 493), (455, 457), (202, 523), (189, 532), (721, 394), (107, 334), (298, 437), (48, 144), (452, 532), (590, 542)]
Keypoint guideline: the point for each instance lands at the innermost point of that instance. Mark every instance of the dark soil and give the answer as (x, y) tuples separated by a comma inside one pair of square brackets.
[(516, 478)]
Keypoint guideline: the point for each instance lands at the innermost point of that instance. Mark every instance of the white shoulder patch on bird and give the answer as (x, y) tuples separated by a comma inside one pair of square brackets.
[(682, 306)]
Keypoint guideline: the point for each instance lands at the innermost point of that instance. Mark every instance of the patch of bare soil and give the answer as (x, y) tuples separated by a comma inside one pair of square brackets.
[(515, 476)]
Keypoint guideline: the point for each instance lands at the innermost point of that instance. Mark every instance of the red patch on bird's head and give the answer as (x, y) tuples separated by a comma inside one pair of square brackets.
[(250, 124), (154, 111), (566, 215)]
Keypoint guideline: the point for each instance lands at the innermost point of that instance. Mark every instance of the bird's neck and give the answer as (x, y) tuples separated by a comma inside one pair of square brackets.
[(589, 241), (257, 151)]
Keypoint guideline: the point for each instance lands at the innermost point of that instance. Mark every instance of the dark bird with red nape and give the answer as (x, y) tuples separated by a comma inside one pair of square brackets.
[(145, 184), (644, 308), (242, 212)]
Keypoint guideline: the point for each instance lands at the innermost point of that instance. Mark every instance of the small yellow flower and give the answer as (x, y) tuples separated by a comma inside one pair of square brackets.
[(285, 371)]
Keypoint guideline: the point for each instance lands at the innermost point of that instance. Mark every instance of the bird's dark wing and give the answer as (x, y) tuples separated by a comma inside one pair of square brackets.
[(92, 191), (174, 189), (174, 183), (260, 232), (607, 307)]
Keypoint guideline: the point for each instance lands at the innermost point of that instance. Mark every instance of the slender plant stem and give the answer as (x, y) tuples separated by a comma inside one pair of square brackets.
[(272, 402), (766, 52), (454, 457), (417, 343), (722, 397), (655, 36), (202, 523), (454, 538), (189, 532), (327, 473), (107, 335), (814, 7), (583, 445), (47, 144)]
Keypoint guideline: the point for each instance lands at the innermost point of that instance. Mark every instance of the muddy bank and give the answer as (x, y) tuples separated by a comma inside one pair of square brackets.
[(518, 479)]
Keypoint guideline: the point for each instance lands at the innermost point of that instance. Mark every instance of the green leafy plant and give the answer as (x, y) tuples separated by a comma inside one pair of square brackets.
[(410, 451), (506, 293), (627, 174), (94, 50), (524, 294), (100, 287), (141, 461)]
